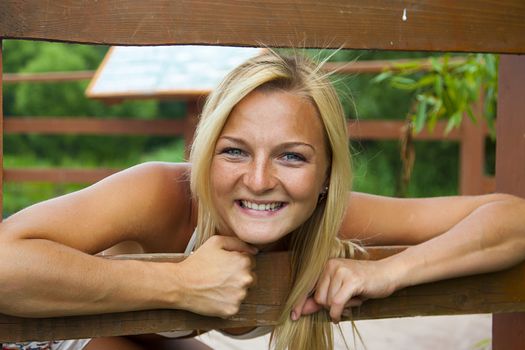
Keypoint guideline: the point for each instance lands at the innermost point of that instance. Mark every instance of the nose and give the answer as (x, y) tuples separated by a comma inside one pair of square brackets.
[(259, 177)]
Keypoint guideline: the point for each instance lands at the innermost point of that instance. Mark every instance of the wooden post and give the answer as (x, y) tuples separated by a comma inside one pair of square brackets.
[(509, 329), (1, 137), (193, 109), (472, 152)]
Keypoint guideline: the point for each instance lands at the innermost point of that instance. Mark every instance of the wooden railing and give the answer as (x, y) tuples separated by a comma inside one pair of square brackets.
[(471, 137), (463, 26)]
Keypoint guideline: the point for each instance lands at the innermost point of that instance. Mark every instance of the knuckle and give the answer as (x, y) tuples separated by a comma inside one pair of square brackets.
[(248, 280), (332, 264), (214, 239), (231, 310), (242, 295)]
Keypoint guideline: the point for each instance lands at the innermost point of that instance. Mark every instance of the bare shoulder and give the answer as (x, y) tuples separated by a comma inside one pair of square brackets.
[(139, 204), (158, 194), (382, 220)]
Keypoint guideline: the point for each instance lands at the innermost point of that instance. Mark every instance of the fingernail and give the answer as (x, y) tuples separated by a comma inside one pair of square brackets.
[(294, 316)]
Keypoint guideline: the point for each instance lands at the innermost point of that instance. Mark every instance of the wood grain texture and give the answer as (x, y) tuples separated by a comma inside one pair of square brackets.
[(57, 175), (430, 25), (472, 151), (497, 292), (47, 77), (93, 126), (508, 329), (1, 136)]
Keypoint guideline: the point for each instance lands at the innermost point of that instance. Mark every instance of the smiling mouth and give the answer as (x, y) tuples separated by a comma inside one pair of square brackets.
[(272, 206)]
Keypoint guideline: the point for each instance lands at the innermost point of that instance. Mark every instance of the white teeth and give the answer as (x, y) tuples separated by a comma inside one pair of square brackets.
[(262, 207)]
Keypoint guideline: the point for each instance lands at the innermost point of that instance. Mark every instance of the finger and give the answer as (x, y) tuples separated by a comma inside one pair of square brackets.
[(336, 283), (339, 301), (322, 289), (254, 280), (234, 244), (310, 307), (298, 307)]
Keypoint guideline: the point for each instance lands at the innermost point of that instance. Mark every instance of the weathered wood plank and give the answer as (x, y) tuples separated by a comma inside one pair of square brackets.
[(47, 77), (393, 130), (422, 25), (1, 137), (508, 329), (86, 126), (370, 67), (363, 129), (60, 175), (495, 292), (472, 151)]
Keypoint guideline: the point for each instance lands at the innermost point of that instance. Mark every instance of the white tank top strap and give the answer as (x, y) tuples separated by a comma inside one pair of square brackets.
[(191, 243)]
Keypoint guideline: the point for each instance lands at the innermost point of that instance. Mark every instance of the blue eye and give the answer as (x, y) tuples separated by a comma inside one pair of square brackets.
[(293, 157), (233, 152)]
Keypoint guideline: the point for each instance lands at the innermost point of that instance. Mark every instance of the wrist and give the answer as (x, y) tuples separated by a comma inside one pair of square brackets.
[(398, 271), (169, 286)]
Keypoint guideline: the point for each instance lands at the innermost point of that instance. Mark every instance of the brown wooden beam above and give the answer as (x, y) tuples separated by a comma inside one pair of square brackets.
[(417, 25)]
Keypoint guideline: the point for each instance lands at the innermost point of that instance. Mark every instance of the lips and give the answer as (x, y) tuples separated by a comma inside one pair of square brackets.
[(269, 206)]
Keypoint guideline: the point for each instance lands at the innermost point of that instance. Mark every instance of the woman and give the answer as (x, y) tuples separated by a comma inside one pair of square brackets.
[(269, 170)]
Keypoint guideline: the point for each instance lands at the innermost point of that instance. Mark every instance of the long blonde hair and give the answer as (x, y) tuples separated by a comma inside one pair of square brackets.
[(315, 241)]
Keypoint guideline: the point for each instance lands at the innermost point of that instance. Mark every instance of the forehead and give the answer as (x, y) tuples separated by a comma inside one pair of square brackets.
[(275, 114)]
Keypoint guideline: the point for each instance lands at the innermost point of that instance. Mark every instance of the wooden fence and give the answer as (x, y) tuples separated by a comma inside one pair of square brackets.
[(429, 25), (471, 137)]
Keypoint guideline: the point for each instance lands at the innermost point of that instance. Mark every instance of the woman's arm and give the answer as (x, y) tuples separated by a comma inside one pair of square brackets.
[(45, 249), (456, 236), (379, 220), (47, 269)]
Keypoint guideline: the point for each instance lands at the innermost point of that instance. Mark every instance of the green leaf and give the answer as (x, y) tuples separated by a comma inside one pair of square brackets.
[(436, 65), (438, 86), (426, 80), (471, 114), (450, 126), (454, 121), (382, 77), (403, 83), (421, 115)]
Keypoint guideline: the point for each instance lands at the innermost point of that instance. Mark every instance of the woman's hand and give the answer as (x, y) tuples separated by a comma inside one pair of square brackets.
[(347, 283), (216, 277)]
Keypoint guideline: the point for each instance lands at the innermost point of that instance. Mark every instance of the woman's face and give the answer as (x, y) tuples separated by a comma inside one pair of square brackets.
[(269, 166)]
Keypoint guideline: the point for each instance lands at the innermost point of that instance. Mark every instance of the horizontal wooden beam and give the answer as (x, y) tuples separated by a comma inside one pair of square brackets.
[(372, 66), (378, 66), (47, 77), (394, 129), (488, 293), (423, 25), (83, 126), (363, 129), (57, 175)]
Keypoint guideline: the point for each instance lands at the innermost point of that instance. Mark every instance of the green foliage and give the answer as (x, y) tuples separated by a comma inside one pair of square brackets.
[(61, 100), (448, 90), (376, 164)]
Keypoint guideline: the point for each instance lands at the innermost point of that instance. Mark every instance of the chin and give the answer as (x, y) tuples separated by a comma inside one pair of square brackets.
[(260, 239)]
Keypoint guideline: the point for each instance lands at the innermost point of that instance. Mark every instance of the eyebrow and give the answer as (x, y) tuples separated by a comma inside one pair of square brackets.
[(284, 144)]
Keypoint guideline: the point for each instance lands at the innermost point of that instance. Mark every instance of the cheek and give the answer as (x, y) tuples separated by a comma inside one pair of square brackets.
[(304, 187), (222, 179)]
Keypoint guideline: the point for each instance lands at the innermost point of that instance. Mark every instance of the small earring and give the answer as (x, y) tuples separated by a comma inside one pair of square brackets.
[(323, 193)]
